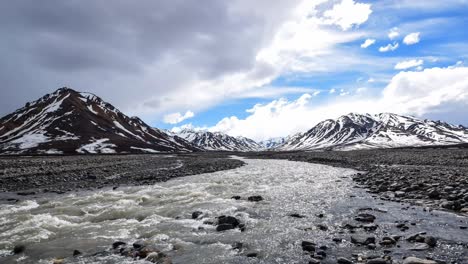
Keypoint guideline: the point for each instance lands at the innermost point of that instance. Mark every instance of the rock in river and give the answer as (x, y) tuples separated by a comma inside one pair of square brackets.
[(414, 260)]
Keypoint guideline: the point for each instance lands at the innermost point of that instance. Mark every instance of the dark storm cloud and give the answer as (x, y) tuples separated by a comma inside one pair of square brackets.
[(107, 46)]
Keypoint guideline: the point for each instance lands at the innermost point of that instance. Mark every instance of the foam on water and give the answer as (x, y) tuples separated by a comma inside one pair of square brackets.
[(161, 214)]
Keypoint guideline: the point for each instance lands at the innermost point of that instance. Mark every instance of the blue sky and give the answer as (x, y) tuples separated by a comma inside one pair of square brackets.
[(442, 43), (259, 69)]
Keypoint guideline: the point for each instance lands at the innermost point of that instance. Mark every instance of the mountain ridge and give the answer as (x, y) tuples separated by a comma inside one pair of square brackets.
[(71, 122), (384, 130), (219, 141)]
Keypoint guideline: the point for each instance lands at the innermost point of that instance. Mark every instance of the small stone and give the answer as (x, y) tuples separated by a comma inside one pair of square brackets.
[(365, 218), (236, 197), (322, 227), (76, 252), (362, 240), (377, 261), (420, 247), (118, 244), (58, 261), (371, 246), (295, 215), (255, 198), (237, 245), (314, 261), (252, 255), (430, 241), (308, 246), (344, 261), (414, 260), (224, 227), (321, 253), (19, 249), (196, 214)]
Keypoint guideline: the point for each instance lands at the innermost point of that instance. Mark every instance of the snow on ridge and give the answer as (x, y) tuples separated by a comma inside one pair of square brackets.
[(97, 146)]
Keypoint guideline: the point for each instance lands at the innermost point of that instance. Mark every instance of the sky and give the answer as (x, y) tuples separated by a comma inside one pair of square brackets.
[(259, 69)]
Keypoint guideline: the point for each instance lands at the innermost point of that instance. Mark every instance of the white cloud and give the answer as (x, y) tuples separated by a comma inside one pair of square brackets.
[(389, 47), (403, 65), (393, 33), (415, 93), (367, 43), (348, 13), (412, 38), (176, 118), (332, 91)]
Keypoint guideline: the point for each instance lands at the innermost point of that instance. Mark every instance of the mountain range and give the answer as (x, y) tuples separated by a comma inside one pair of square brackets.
[(71, 122), (386, 130), (219, 141)]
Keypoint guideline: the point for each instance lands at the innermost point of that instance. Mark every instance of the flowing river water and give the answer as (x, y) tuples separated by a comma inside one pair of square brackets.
[(161, 214)]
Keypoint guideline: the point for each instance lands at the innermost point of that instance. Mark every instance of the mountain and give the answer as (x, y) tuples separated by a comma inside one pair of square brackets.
[(71, 122), (356, 131), (273, 142), (219, 141)]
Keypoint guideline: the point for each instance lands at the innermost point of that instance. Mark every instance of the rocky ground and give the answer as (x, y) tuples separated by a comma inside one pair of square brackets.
[(23, 176), (436, 178)]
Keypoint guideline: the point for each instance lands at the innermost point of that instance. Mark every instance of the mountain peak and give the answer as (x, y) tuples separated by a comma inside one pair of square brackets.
[(69, 122)]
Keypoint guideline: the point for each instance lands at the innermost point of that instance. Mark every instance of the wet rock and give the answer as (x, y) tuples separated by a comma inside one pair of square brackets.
[(76, 253), (252, 255), (420, 247), (308, 246), (255, 198), (377, 261), (430, 241), (237, 246), (18, 249), (370, 227), (236, 197), (118, 244), (224, 227), (402, 227), (320, 215), (146, 251), (360, 240), (322, 227), (418, 237), (159, 258), (295, 215), (414, 260), (371, 246), (314, 261), (337, 240), (321, 253), (342, 260), (26, 193), (228, 220), (196, 214), (364, 217), (138, 244), (388, 241)]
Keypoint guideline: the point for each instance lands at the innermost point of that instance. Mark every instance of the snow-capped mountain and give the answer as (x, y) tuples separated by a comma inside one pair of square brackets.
[(356, 131), (219, 141), (273, 142), (70, 122)]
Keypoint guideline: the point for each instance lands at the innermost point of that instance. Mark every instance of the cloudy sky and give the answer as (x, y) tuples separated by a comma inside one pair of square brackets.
[(259, 68)]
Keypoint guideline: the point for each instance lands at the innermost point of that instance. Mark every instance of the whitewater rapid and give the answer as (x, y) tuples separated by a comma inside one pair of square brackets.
[(52, 227)]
